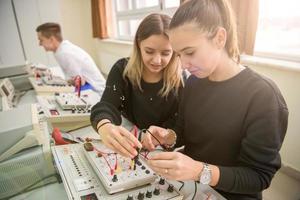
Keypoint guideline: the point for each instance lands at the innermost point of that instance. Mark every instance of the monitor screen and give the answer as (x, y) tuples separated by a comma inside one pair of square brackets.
[(5, 90)]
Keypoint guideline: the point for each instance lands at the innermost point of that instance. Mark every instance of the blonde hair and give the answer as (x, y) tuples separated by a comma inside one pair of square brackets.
[(153, 24), (209, 15)]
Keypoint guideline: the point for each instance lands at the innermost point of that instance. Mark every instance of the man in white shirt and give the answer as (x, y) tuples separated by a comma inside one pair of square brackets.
[(72, 59)]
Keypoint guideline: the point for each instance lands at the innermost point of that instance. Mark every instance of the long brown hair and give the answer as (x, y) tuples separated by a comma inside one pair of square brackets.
[(209, 15), (153, 24)]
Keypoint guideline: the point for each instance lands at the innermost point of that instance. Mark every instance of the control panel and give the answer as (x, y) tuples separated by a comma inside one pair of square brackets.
[(82, 182), (67, 107), (41, 88), (69, 101), (116, 172)]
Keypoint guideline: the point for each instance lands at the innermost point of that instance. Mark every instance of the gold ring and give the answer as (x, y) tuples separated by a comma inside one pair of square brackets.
[(166, 171)]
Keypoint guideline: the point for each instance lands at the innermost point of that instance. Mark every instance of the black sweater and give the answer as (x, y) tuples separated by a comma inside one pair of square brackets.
[(142, 108), (239, 125)]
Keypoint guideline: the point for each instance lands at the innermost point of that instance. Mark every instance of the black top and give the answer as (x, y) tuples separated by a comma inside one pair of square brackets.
[(142, 108), (239, 125)]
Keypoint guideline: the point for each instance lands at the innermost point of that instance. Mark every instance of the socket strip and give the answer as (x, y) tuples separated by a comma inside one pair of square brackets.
[(81, 182)]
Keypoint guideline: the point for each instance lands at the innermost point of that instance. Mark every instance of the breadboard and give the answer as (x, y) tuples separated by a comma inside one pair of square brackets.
[(125, 176)]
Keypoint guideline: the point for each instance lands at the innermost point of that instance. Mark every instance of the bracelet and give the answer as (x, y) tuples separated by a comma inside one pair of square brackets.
[(102, 125)]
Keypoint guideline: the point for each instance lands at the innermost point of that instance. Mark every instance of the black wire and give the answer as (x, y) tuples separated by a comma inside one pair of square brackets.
[(195, 190), (181, 185), (146, 130), (75, 129)]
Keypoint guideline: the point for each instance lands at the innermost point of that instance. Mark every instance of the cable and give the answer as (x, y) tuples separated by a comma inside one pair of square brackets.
[(75, 129), (146, 130), (195, 190), (108, 154), (181, 185)]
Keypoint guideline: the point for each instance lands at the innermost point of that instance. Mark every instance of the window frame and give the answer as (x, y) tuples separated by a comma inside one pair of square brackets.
[(138, 13), (269, 53)]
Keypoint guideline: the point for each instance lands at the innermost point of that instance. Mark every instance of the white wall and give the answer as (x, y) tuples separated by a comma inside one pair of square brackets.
[(30, 14), (73, 15), (109, 51), (11, 52), (76, 18), (288, 81)]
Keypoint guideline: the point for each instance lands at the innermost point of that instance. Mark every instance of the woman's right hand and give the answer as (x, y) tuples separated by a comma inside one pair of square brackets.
[(119, 139)]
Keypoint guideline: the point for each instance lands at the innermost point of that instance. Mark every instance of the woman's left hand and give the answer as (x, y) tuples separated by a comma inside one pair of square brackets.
[(175, 166)]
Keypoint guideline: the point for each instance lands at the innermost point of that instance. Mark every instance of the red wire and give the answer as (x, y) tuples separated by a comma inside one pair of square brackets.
[(78, 85), (104, 153), (135, 130), (145, 156), (116, 165), (111, 169)]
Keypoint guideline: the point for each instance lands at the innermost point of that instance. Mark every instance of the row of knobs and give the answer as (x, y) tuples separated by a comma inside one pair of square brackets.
[(141, 195), (156, 191)]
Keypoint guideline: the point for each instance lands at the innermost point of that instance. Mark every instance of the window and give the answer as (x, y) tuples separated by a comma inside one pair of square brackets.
[(278, 33), (129, 14)]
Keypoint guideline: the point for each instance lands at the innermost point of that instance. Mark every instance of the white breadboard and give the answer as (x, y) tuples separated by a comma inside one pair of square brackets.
[(126, 176)]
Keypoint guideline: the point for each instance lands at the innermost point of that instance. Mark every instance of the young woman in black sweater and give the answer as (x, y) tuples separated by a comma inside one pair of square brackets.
[(143, 88), (231, 121)]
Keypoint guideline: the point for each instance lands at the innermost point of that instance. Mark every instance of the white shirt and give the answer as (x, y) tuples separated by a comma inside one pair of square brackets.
[(75, 61)]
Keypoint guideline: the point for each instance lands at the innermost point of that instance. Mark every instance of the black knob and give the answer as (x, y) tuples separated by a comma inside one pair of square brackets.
[(115, 178), (148, 194), (73, 110), (138, 163), (141, 196), (171, 188), (147, 171), (161, 181), (130, 197), (156, 191)]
